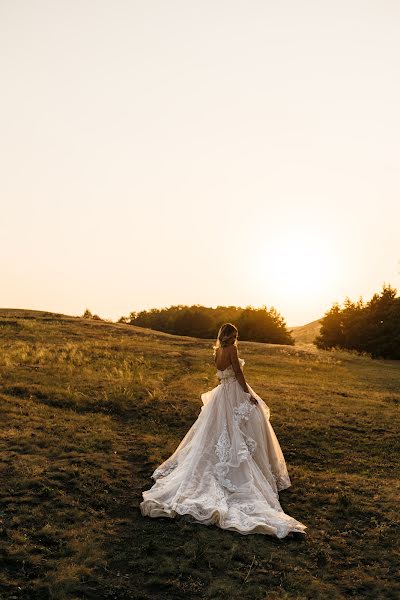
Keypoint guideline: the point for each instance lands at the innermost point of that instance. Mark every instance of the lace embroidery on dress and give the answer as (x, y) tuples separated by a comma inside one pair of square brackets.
[(246, 507), (243, 411), (223, 452), (244, 451), (164, 470), (220, 498), (222, 447)]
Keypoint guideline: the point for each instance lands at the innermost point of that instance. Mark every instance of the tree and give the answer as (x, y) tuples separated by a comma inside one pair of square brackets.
[(331, 332), (255, 324), (373, 327)]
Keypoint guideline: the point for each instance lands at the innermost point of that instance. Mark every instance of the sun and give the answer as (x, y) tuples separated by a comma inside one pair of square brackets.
[(296, 265)]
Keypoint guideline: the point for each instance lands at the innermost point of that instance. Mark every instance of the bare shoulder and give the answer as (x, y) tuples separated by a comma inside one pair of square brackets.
[(233, 351), (233, 354)]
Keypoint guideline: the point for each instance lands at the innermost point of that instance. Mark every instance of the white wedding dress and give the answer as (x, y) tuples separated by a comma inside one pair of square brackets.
[(228, 469)]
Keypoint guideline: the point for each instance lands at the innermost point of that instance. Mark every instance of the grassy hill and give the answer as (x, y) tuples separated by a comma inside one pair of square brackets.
[(305, 334), (89, 409)]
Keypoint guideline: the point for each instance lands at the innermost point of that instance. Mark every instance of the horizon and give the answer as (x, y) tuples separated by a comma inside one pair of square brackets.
[(161, 308), (116, 320)]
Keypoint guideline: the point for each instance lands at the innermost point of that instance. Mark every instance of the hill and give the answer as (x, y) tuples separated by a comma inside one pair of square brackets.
[(89, 409), (305, 334)]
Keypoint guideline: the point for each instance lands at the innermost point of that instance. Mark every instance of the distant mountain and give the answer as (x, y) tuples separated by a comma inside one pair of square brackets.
[(306, 334)]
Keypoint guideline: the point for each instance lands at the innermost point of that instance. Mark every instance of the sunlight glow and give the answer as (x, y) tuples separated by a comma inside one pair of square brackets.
[(299, 266)]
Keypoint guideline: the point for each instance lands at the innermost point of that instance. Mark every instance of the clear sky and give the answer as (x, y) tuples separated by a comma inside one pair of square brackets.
[(214, 152)]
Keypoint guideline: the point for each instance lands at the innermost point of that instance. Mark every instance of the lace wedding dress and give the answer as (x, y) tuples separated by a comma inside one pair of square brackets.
[(228, 469)]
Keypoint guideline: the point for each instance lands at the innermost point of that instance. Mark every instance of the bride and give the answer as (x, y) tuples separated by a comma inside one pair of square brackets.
[(229, 467)]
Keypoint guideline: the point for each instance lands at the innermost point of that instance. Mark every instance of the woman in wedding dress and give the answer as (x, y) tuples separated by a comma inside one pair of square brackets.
[(229, 467)]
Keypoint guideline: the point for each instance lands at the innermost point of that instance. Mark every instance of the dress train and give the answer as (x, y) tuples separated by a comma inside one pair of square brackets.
[(228, 468)]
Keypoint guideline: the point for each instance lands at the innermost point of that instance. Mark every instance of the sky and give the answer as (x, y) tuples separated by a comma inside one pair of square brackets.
[(217, 152)]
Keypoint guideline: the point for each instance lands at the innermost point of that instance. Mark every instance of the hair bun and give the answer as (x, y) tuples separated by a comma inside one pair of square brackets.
[(224, 333)]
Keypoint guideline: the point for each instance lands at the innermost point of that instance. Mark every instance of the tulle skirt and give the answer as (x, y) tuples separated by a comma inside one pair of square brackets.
[(227, 470)]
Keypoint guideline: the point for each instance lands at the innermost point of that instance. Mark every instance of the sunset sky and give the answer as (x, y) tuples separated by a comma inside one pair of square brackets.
[(198, 152)]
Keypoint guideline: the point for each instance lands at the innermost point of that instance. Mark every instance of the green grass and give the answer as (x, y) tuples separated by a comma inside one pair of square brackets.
[(89, 409)]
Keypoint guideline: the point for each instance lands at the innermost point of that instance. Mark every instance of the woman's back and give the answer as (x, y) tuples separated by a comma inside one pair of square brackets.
[(223, 358)]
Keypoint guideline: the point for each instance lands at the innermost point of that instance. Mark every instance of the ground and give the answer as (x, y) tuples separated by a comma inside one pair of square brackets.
[(89, 409)]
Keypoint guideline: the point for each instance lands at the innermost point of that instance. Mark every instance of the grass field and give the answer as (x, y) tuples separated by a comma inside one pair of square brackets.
[(89, 409)]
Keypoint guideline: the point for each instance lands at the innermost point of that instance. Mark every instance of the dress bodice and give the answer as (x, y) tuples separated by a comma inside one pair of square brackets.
[(229, 373)]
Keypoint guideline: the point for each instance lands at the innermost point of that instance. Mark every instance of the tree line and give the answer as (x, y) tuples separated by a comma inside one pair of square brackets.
[(372, 327), (254, 324)]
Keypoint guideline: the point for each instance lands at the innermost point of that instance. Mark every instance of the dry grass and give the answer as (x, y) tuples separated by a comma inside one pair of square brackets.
[(89, 409), (305, 334)]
